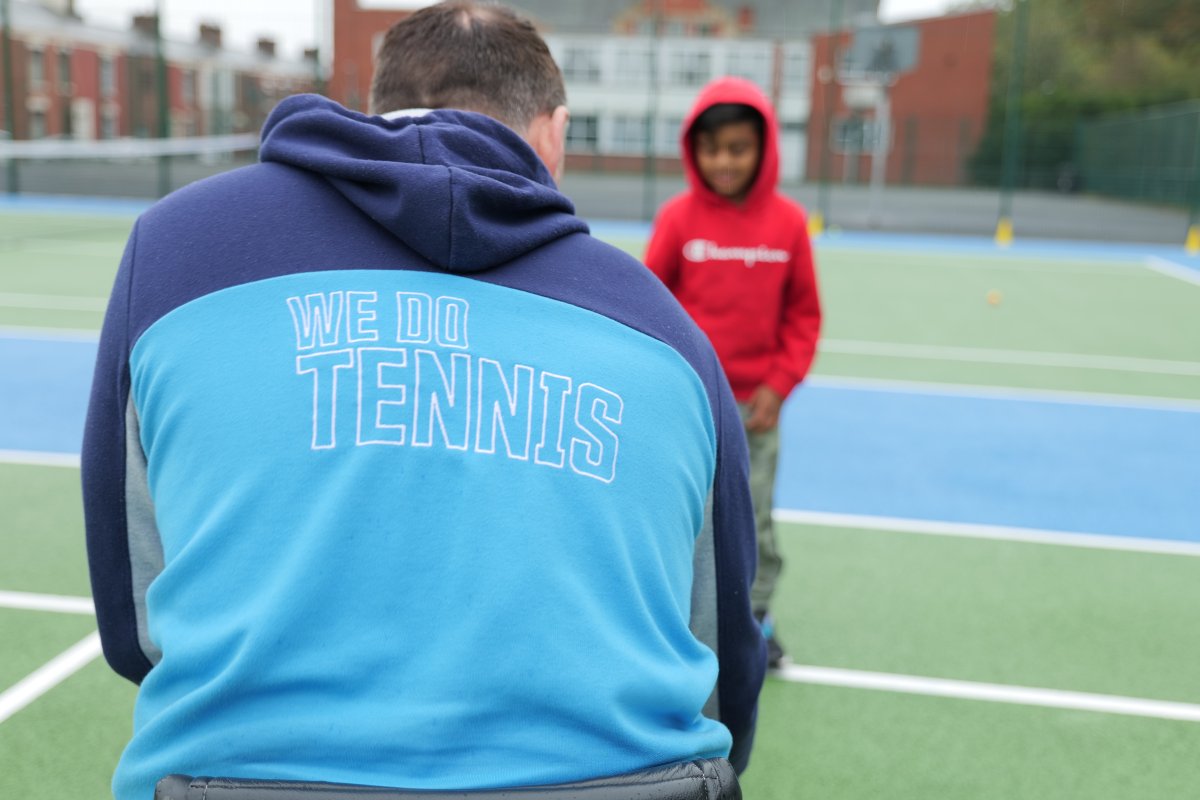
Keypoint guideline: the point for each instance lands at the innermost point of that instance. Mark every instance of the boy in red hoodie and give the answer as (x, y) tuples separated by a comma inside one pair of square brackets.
[(736, 254)]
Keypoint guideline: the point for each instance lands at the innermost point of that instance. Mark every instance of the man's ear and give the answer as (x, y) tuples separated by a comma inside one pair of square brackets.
[(547, 136)]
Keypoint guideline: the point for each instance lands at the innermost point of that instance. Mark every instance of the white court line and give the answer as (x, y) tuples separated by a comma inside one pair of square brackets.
[(49, 334), (990, 692), (969, 391), (1003, 533), (60, 604), (1010, 262), (1173, 270), (1020, 357), (52, 302), (46, 677), (30, 458)]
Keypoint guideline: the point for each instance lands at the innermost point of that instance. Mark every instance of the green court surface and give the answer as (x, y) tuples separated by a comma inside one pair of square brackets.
[(1064, 620)]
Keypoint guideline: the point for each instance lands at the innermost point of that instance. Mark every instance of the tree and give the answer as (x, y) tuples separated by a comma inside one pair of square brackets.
[(1085, 59)]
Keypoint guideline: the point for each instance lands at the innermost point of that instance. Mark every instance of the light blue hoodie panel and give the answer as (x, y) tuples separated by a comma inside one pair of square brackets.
[(456, 473)]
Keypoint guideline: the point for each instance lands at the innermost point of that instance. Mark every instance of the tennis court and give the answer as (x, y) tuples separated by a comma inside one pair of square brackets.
[(989, 499)]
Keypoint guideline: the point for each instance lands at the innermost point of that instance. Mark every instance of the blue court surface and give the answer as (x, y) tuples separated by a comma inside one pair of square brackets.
[(44, 383), (1115, 466), (1033, 460)]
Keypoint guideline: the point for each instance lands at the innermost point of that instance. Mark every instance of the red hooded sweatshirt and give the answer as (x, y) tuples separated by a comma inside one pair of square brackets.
[(744, 272)]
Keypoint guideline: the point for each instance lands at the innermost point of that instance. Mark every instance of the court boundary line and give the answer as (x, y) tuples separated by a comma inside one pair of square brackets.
[(1032, 358), (1004, 393), (52, 302), (54, 603), (1172, 270), (39, 334), (1002, 533), (1121, 265), (31, 458), (990, 692), (49, 675)]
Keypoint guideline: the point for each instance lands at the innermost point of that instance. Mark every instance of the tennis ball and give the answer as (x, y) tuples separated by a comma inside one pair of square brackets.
[(994, 297)]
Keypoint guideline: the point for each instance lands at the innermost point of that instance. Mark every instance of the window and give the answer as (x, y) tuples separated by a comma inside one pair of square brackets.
[(108, 124), (581, 64), (37, 124), (147, 81), (64, 71), (187, 87), (855, 135), (796, 70), (629, 134), (37, 68), (752, 63), (634, 64), (669, 129), (108, 76), (690, 68), (583, 134)]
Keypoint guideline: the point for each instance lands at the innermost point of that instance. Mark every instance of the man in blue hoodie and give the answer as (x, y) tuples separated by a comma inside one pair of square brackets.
[(395, 476)]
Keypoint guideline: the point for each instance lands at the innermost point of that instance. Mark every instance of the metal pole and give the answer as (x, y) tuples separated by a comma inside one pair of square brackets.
[(649, 180), (1193, 233), (879, 153), (820, 221), (164, 109), (1012, 124), (319, 47), (12, 178)]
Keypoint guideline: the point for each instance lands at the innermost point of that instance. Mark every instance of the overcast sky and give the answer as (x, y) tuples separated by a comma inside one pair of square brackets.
[(294, 23)]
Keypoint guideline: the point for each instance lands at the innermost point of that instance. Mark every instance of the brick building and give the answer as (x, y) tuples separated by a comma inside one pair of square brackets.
[(75, 80), (938, 108), (633, 67)]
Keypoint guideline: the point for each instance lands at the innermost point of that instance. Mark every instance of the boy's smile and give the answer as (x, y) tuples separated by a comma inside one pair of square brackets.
[(727, 159)]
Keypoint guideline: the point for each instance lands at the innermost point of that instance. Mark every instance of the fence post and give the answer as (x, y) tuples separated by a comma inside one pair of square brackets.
[(12, 177), (1012, 124), (819, 221), (164, 109), (1193, 233)]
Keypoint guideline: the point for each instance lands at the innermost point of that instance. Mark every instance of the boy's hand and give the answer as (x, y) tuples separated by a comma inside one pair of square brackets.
[(764, 410)]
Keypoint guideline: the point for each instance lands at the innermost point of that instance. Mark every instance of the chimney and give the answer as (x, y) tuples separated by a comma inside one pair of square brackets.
[(210, 35), (746, 19), (146, 24), (266, 47)]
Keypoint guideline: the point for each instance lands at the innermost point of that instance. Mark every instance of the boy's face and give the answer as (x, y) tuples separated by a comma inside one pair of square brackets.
[(728, 159)]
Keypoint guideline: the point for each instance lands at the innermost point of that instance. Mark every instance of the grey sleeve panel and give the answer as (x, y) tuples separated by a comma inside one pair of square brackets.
[(145, 545), (704, 597)]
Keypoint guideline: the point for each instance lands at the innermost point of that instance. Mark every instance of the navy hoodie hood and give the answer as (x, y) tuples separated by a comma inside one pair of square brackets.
[(459, 188)]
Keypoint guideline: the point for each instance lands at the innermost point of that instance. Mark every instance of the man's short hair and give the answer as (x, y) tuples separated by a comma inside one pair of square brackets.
[(467, 55), (719, 115)]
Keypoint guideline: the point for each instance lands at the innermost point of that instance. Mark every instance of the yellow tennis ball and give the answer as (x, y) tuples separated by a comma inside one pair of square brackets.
[(994, 297)]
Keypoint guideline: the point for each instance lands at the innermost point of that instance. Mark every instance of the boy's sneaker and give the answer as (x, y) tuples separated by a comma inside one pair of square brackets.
[(776, 657)]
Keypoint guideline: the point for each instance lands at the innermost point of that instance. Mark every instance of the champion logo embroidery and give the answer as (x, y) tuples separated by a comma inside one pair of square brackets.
[(704, 250)]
